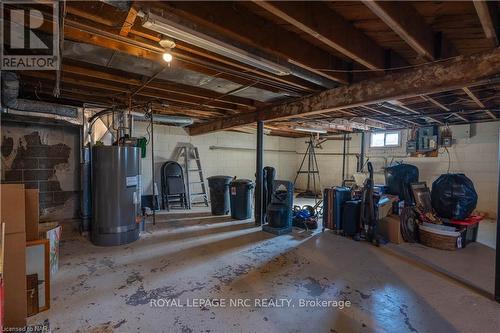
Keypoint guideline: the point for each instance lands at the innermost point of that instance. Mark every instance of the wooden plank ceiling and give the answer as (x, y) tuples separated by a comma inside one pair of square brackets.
[(328, 48)]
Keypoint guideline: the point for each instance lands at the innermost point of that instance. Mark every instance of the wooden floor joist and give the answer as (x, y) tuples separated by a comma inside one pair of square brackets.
[(437, 77)]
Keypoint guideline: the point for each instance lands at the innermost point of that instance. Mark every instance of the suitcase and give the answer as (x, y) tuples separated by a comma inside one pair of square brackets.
[(333, 198), (351, 211)]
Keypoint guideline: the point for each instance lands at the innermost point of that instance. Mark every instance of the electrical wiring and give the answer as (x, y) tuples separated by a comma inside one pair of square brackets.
[(384, 69)]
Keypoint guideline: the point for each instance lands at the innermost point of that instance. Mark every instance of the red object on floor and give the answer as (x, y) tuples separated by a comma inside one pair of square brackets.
[(471, 220)]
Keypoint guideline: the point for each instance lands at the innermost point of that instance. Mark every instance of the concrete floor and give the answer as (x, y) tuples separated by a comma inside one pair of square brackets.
[(198, 257)]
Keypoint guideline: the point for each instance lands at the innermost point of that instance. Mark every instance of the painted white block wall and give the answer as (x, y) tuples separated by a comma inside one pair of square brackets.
[(239, 163), (475, 155), (329, 160)]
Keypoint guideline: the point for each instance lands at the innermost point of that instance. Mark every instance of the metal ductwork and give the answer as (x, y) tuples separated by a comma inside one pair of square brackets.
[(10, 100), (165, 119)]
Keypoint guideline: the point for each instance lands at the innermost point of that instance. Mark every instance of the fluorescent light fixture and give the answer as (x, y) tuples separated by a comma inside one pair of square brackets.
[(310, 130), (179, 32)]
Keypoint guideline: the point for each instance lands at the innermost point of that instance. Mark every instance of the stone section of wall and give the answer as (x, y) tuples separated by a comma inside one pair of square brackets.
[(45, 158)]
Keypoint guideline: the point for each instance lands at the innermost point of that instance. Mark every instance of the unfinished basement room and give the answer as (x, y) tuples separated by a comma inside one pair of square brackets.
[(249, 166)]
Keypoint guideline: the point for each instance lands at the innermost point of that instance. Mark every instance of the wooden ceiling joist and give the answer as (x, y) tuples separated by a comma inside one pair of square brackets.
[(331, 29), (122, 91), (161, 86), (442, 76), (478, 102), (129, 21), (403, 19), (254, 31), (435, 102), (107, 37), (487, 20)]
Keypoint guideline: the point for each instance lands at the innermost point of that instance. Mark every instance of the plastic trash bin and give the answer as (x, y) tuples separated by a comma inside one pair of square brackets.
[(219, 194), (241, 198)]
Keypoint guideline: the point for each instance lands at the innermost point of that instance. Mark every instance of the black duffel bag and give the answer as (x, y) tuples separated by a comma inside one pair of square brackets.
[(453, 196)]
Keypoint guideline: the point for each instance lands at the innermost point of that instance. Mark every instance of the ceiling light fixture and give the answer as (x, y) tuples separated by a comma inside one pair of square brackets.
[(179, 32), (167, 57), (167, 44)]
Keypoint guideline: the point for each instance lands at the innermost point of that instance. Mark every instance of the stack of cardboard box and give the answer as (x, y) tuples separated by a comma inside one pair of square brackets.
[(13, 206), (20, 214)]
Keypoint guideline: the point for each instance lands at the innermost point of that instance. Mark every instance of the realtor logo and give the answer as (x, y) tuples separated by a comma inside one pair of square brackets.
[(29, 35)]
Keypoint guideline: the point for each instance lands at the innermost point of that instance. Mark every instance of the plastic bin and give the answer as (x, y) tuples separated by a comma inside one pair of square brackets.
[(241, 198), (219, 194), (470, 225)]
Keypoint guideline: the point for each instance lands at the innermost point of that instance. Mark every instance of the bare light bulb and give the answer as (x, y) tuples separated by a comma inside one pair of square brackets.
[(167, 57)]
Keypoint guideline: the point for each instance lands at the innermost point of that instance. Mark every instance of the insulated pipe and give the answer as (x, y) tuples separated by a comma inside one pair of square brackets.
[(166, 119), (10, 100), (159, 118), (259, 173)]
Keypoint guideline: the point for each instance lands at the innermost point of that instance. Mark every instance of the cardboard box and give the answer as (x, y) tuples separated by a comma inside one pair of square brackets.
[(385, 205), (13, 214), (13, 208), (389, 227), (15, 280), (52, 231), (32, 214)]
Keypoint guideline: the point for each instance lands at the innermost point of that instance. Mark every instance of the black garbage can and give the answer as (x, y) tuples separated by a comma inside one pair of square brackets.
[(241, 198), (219, 194)]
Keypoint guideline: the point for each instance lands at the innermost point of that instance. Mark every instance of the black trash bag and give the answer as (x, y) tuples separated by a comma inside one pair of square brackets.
[(398, 179), (453, 196)]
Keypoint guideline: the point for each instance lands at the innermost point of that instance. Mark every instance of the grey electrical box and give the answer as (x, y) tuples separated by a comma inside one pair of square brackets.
[(411, 146)]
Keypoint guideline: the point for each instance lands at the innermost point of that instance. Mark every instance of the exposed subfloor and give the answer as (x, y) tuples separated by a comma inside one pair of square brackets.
[(102, 289)]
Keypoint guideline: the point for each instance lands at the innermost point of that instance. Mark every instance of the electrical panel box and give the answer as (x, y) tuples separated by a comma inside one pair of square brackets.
[(428, 138)]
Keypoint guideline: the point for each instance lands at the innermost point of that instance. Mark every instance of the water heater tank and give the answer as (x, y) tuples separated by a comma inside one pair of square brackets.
[(115, 195)]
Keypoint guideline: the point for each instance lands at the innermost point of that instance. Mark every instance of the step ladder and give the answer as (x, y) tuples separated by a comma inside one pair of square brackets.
[(188, 156)]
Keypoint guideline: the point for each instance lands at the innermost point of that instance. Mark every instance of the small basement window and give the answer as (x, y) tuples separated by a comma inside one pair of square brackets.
[(385, 139)]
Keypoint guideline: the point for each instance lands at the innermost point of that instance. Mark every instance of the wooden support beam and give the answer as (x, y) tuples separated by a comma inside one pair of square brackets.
[(129, 21), (403, 19), (487, 20), (331, 29), (438, 77), (478, 102)]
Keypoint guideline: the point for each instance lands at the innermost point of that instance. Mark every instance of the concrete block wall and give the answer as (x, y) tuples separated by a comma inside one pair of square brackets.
[(329, 164), (45, 158), (475, 153), (234, 162)]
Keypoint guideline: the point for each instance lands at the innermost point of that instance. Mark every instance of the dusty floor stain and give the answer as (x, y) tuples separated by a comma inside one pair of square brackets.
[(213, 258)]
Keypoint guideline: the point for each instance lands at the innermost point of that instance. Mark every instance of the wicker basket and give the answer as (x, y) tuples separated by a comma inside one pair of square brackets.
[(437, 240)]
